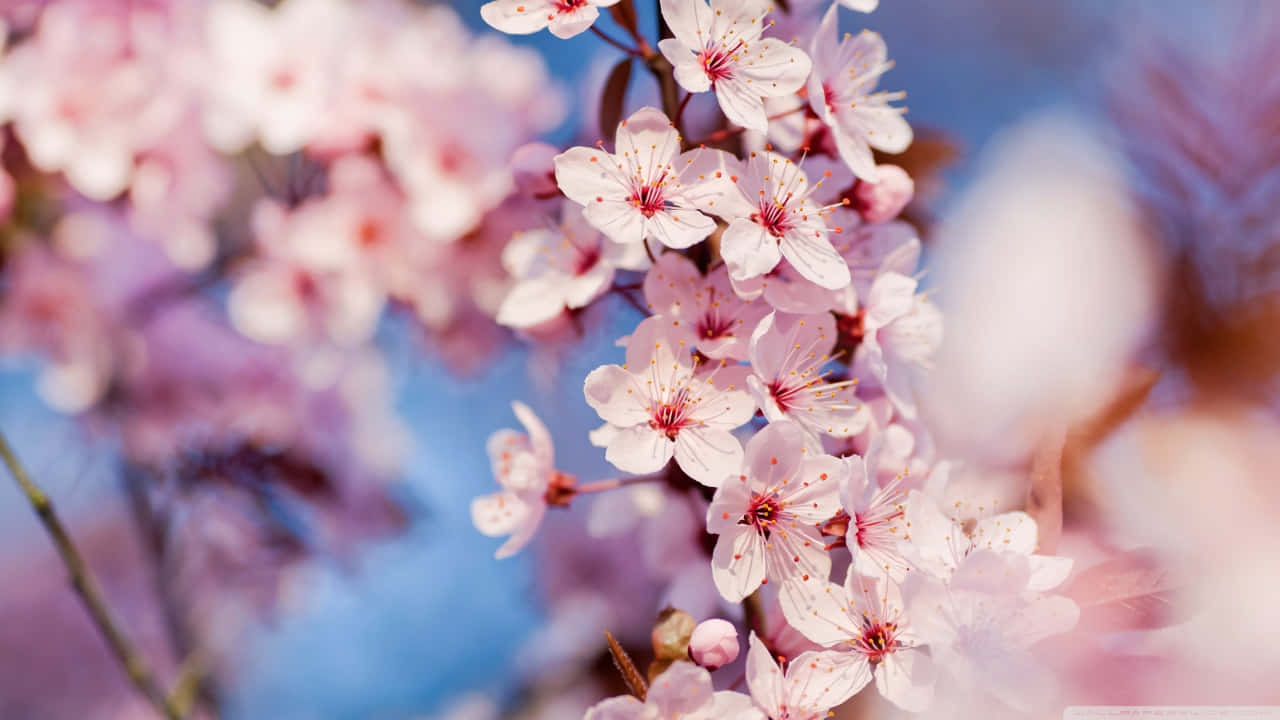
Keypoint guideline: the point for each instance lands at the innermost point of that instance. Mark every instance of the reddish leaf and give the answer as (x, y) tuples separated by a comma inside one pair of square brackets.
[(624, 13), (1131, 591), (613, 96)]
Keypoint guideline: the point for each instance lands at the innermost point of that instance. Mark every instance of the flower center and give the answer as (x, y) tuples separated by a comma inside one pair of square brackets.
[(762, 512), (564, 6), (587, 259), (773, 217), (877, 639), (672, 416), (649, 198), (718, 61)]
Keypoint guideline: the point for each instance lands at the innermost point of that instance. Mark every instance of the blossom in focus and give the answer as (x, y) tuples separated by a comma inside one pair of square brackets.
[(523, 467), (564, 18), (789, 359), (813, 683), (562, 267), (771, 216), (682, 692), (714, 643), (647, 188), (703, 311), (767, 517), (864, 620), (718, 47), (877, 527), (662, 409), (900, 333), (842, 93)]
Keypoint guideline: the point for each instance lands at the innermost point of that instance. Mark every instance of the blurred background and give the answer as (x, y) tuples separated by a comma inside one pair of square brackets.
[(296, 483)]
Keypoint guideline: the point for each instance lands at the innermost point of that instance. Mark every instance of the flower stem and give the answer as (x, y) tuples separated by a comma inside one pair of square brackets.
[(615, 483), (618, 44), (82, 582)]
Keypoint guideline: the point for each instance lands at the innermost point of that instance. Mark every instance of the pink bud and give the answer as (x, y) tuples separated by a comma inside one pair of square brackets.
[(534, 171), (883, 200), (714, 643)]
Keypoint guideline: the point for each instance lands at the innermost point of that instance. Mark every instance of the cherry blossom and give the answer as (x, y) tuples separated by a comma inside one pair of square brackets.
[(682, 692), (767, 518), (877, 527), (813, 683), (714, 643), (718, 47), (789, 357), (563, 267), (523, 467), (842, 93), (940, 543), (662, 409), (981, 624), (703, 311), (564, 18), (648, 188), (772, 216), (864, 621), (900, 332)]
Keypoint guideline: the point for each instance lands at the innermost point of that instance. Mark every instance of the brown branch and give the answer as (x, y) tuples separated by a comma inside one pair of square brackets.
[(626, 668), (82, 582)]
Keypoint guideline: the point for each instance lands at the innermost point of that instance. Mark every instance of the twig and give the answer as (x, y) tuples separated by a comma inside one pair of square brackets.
[(605, 37), (82, 582)]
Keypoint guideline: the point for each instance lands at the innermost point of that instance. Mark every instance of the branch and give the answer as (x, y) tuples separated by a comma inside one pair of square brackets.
[(90, 594)]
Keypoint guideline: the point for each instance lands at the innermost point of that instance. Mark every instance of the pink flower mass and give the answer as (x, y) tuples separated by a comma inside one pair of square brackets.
[(878, 417)]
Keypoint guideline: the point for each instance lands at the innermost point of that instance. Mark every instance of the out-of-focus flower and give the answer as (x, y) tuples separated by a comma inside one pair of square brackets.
[(814, 682), (771, 216), (563, 267), (767, 518), (714, 643), (663, 409), (842, 93), (788, 357), (523, 466), (718, 47), (683, 692), (647, 188), (1021, 293), (702, 311), (564, 18), (900, 333)]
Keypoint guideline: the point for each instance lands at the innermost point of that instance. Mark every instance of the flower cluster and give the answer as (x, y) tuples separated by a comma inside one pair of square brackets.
[(771, 388)]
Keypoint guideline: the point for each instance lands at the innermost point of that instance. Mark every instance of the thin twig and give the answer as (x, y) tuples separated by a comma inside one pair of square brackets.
[(626, 668), (605, 37), (82, 582)]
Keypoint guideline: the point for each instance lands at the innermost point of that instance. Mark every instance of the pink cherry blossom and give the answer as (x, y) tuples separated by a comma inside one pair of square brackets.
[(647, 188), (564, 18), (661, 409), (772, 215), (864, 621), (703, 311), (768, 517), (813, 683), (884, 199), (789, 359), (682, 692), (877, 527), (719, 47), (981, 624), (558, 268), (900, 333), (523, 467), (842, 93), (714, 643)]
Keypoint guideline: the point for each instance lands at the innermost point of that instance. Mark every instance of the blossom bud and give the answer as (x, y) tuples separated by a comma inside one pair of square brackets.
[(714, 643), (883, 200), (533, 169), (671, 635)]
